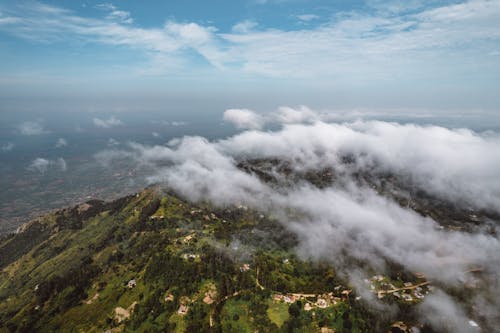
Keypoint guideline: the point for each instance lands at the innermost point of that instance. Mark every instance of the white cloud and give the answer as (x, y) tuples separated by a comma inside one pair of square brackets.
[(307, 17), (61, 142), (244, 118), (444, 314), (352, 46), (155, 134), (288, 115), (42, 165), (115, 14), (107, 123), (113, 143), (6, 147), (32, 128), (244, 27)]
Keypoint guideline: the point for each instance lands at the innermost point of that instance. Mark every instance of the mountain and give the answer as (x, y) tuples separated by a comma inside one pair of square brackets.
[(156, 262)]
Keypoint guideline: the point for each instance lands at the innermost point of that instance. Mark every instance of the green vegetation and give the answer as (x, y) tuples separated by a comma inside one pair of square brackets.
[(235, 317), (278, 312), (154, 263)]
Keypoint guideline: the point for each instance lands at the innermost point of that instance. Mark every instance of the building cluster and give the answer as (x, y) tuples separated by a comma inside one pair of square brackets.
[(314, 300), (409, 292)]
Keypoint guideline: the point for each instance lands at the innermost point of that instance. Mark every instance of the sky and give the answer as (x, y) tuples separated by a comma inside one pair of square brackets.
[(261, 54)]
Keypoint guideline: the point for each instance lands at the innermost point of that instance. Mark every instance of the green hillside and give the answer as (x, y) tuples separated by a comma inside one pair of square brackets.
[(152, 262)]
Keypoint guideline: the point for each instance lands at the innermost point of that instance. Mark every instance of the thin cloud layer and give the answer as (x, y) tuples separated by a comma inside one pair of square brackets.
[(348, 45), (349, 221)]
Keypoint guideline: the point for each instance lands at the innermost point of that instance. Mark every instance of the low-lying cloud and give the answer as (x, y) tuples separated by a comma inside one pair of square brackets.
[(42, 165), (30, 128), (244, 118), (6, 147), (107, 123), (61, 142), (350, 220)]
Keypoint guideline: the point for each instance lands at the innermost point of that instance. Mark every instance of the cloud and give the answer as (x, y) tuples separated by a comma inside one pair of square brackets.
[(107, 123), (244, 118), (420, 41), (42, 165), (248, 119), (61, 142), (244, 26), (30, 128), (350, 221), (6, 147), (112, 142), (155, 134), (178, 123), (307, 17), (443, 313), (115, 14), (288, 115)]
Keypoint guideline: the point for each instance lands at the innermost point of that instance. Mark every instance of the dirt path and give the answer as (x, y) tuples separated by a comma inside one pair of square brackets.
[(384, 292), (257, 280)]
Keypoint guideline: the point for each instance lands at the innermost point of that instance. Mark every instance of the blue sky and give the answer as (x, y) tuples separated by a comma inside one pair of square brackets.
[(128, 55)]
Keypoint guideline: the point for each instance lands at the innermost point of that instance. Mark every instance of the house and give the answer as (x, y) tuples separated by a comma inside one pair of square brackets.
[(408, 284), (289, 299), (245, 268), (307, 307), (208, 299), (183, 309), (190, 256), (321, 303), (278, 297), (345, 293), (418, 295), (407, 297), (131, 284)]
